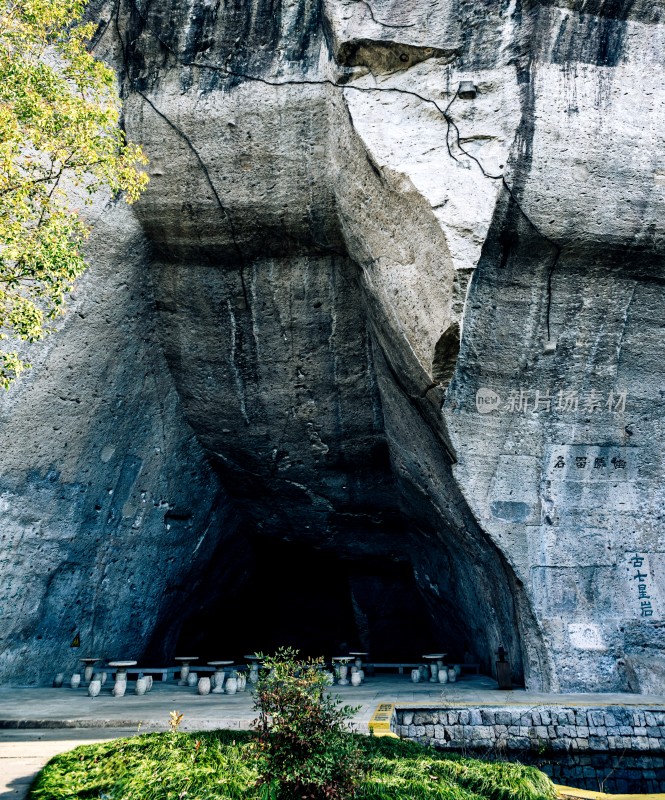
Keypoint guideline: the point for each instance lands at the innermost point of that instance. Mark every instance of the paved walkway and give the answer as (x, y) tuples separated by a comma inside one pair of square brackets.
[(24, 752), (72, 708), (65, 707), (38, 723)]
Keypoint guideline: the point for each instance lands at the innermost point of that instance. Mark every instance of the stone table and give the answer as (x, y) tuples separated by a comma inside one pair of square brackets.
[(253, 668), (184, 669), (219, 675), (120, 675), (359, 660), (436, 664), (343, 668)]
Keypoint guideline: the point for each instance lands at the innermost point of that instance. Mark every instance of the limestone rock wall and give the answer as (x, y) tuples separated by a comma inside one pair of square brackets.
[(109, 509), (391, 318)]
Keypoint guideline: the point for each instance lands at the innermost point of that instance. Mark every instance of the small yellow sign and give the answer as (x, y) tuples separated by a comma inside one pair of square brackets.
[(379, 724)]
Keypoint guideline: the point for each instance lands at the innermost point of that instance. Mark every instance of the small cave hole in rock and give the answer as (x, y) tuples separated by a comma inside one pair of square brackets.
[(446, 352)]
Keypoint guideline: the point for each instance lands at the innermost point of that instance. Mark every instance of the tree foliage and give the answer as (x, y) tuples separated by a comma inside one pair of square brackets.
[(59, 140)]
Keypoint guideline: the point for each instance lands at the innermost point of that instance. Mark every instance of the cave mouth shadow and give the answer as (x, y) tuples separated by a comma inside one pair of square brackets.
[(318, 602)]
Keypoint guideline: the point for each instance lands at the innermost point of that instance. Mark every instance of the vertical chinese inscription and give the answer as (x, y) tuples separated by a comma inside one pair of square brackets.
[(643, 578)]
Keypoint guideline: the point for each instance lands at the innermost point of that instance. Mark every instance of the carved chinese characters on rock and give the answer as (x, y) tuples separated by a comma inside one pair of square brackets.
[(591, 462), (641, 577)]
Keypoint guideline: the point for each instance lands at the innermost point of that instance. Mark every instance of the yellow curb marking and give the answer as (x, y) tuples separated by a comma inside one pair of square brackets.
[(571, 793), (510, 704), (379, 723)]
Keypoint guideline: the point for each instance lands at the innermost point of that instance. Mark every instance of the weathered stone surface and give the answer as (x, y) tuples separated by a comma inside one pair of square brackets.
[(362, 313), (110, 507)]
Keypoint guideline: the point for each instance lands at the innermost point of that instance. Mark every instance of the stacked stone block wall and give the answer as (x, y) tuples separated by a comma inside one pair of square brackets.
[(615, 772), (538, 729)]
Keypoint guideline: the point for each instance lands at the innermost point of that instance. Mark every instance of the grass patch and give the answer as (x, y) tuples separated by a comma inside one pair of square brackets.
[(218, 765)]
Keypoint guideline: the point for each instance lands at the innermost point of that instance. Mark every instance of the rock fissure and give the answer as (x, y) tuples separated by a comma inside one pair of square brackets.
[(380, 22), (204, 168), (450, 123)]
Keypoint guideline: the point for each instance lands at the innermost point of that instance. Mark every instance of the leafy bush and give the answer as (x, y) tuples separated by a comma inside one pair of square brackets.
[(304, 749)]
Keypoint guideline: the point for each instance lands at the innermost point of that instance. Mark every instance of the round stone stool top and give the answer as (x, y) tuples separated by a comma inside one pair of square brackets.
[(252, 658), (220, 663), (186, 659), (90, 660), (123, 664), (357, 653), (343, 659), (435, 655)]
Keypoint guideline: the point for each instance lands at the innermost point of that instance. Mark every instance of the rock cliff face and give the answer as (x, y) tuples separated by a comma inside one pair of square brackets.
[(393, 296)]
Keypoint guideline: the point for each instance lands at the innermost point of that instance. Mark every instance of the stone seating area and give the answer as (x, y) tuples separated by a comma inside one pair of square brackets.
[(375, 666), (223, 677), (391, 666), (164, 673), (96, 674)]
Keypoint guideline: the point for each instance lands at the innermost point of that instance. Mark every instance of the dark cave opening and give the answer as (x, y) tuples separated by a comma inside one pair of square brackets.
[(316, 601)]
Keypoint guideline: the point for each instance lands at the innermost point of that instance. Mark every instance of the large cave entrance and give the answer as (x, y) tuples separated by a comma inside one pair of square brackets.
[(316, 601), (426, 594), (341, 521)]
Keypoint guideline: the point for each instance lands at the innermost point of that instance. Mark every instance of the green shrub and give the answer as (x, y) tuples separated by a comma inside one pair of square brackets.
[(304, 749)]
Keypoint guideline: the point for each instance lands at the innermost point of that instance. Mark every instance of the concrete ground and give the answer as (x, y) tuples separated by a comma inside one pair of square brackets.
[(38, 723), (24, 752), (66, 707)]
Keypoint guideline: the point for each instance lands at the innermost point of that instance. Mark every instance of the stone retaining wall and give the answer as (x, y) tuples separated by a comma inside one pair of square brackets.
[(615, 772), (537, 728)]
